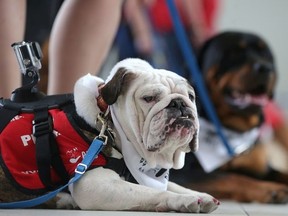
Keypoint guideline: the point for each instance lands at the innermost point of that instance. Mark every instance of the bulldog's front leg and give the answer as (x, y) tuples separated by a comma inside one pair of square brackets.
[(103, 189)]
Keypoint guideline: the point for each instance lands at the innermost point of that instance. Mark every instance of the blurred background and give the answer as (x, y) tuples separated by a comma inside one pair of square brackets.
[(264, 17)]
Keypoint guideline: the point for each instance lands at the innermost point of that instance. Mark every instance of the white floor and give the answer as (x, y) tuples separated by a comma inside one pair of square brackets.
[(226, 209)]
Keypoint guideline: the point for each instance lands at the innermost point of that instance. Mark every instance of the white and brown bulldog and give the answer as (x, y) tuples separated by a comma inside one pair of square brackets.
[(154, 118)]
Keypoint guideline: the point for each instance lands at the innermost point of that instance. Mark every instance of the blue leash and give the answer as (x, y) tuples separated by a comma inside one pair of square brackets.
[(81, 168), (195, 71)]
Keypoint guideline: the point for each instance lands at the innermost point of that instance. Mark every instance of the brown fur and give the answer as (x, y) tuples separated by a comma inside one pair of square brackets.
[(116, 86), (243, 189), (8, 193)]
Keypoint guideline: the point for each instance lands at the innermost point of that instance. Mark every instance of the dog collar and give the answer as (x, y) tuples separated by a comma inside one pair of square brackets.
[(103, 106)]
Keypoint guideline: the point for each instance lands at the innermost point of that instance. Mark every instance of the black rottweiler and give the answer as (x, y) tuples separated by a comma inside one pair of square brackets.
[(240, 75)]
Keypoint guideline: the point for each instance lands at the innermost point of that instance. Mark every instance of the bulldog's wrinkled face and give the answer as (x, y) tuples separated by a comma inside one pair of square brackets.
[(156, 110), (170, 115)]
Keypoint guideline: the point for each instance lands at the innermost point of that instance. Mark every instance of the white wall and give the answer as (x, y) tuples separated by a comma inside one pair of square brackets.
[(268, 18)]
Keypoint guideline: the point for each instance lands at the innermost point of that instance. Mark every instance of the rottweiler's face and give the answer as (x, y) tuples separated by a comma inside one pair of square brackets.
[(240, 76)]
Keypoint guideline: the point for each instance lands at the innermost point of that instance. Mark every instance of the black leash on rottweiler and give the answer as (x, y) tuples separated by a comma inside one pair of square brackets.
[(94, 149), (195, 71)]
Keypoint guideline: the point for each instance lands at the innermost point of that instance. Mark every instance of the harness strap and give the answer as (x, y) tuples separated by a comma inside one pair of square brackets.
[(119, 166), (42, 127), (47, 153), (57, 162)]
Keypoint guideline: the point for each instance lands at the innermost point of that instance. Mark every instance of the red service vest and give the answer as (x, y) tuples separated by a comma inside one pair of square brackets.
[(17, 149)]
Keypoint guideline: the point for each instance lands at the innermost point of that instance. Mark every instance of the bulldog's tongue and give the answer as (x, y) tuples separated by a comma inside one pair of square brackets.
[(247, 100)]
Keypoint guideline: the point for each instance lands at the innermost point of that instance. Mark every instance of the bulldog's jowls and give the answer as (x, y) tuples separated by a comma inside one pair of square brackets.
[(154, 118)]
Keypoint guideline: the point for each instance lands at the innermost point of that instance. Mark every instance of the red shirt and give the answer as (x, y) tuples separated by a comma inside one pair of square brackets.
[(161, 20)]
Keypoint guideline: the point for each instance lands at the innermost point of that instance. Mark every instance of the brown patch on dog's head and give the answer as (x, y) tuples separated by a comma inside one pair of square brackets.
[(240, 75), (117, 85)]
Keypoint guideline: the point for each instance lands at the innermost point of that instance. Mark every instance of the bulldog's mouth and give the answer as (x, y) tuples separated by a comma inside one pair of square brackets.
[(183, 121), (181, 126), (174, 125)]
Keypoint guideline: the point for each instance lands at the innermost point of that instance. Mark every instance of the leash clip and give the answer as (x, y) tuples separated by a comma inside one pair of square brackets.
[(81, 168), (104, 127)]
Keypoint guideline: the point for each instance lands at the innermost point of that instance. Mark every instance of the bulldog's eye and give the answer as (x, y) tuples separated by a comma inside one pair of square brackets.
[(191, 97), (148, 99)]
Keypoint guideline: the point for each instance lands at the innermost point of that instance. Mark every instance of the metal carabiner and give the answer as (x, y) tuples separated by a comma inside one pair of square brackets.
[(104, 123)]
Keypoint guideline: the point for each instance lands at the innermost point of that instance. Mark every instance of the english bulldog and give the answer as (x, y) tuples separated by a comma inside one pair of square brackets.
[(153, 117)]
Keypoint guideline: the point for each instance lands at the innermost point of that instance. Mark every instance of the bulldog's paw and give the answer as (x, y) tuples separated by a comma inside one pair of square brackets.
[(189, 203), (207, 203), (65, 201)]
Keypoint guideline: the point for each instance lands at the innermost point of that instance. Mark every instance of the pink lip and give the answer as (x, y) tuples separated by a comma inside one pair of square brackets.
[(247, 99)]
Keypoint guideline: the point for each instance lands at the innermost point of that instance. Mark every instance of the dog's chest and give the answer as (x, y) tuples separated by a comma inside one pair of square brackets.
[(212, 153)]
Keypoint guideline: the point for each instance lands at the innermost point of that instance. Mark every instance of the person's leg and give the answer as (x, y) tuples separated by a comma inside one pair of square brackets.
[(81, 37), (12, 27)]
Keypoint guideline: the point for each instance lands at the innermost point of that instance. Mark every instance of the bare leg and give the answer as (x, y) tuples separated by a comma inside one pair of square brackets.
[(80, 40), (12, 25)]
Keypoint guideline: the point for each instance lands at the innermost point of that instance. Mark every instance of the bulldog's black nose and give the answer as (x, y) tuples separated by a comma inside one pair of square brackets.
[(177, 103), (180, 109)]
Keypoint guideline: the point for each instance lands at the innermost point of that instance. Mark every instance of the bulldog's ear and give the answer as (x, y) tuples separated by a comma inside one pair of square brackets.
[(210, 74), (117, 85)]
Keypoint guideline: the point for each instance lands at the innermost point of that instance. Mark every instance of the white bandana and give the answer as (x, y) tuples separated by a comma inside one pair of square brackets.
[(212, 153), (138, 166)]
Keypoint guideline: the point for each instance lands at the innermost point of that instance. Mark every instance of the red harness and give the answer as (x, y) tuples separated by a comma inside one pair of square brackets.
[(17, 148)]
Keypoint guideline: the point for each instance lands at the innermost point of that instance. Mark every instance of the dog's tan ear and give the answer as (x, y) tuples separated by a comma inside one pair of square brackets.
[(209, 78), (117, 85), (210, 74)]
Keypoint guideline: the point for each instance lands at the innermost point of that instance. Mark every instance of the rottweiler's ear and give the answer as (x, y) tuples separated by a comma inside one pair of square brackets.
[(210, 74), (117, 85)]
